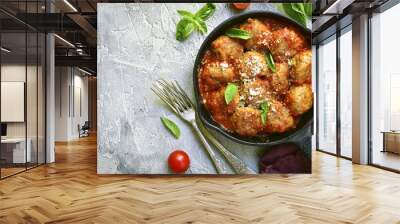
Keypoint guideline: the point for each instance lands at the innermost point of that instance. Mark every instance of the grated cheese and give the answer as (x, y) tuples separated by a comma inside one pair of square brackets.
[(224, 65), (255, 66), (254, 91)]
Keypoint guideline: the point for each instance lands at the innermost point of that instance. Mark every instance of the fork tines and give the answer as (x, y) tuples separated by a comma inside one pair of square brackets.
[(173, 95)]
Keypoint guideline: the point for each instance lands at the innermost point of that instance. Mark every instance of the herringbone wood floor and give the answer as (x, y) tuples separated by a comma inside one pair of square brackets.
[(70, 191)]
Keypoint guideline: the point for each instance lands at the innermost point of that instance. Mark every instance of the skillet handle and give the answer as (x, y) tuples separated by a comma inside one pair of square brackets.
[(216, 161), (238, 165)]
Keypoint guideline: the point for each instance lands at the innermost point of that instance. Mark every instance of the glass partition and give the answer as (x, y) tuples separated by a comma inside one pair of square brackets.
[(41, 107), (31, 100), (32, 85), (23, 89), (13, 94)]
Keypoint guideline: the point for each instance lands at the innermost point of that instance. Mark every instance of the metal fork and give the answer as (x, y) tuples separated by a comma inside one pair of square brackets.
[(175, 97)]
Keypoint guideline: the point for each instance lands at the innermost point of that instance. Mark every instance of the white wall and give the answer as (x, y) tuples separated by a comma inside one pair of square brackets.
[(79, 117), (69, 82), (62, 81), (17, 72), (33, 127)]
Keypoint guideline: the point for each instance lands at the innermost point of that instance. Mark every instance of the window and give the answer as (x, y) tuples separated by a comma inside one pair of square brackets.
[(327, 95), (346, 74), (385, 89)]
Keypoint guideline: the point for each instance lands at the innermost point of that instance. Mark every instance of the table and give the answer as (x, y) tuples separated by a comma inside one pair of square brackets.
[(391, 141), (13, 150)]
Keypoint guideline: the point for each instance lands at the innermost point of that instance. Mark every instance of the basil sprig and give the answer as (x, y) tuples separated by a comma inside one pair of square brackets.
[(191, 22), (238, 33), (264, 107), (171, 126), (184, 28), (301, 12), (230, 92), (270, 61)]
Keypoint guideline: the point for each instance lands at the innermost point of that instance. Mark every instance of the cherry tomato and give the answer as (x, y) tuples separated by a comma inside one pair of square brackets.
[(178, 161), (240, 6)]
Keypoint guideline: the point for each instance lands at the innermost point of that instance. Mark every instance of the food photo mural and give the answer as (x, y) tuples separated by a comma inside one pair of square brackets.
[(203, 88)]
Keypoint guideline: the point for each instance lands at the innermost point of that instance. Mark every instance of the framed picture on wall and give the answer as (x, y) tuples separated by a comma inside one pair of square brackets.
[(204, 89)]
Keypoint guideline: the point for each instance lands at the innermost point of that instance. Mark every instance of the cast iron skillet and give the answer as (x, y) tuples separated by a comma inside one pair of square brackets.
[(305, 123)]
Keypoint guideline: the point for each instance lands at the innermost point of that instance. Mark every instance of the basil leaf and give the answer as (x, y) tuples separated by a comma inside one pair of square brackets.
[(264, 106), (299, 12), (200, 25), (171, 126), (183, 30), (270, 61), (238, 33), (298, 7), (230, 92), (185, 13), (308, 9), (206, 11), (280, 7), (299, 17)]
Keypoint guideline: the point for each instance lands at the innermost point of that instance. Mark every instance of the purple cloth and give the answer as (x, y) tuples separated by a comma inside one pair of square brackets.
[(285, 158)]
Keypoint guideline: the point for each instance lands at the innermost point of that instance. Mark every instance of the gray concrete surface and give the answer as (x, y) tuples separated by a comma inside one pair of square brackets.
[(136, 46)]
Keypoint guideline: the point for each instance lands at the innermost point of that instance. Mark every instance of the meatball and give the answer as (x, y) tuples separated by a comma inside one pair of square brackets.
[(227, 48), (255, 92), (300, 72), (299, 99), (260, 34), (286, 43), (247, 121), (253, 64), (217, 73), (278, 118), (216, 103), (279, 79)]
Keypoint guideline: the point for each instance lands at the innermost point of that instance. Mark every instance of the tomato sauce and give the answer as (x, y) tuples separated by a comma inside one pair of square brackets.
[(212, 82)]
